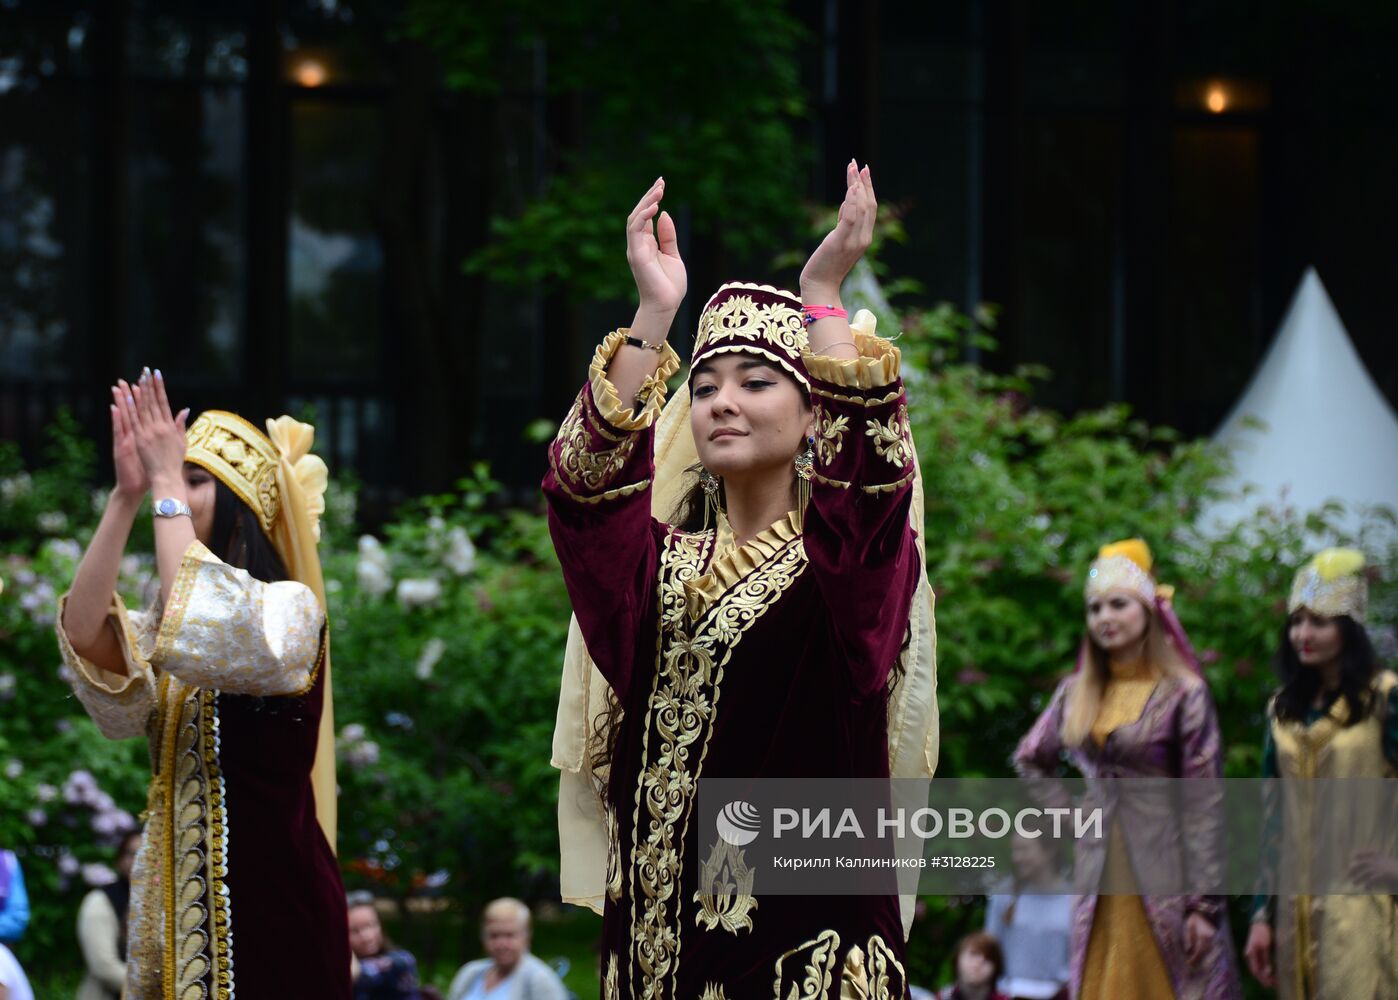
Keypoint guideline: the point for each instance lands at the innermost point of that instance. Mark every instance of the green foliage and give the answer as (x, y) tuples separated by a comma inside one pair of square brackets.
[(447, 645), (726, 145), (67, 795)]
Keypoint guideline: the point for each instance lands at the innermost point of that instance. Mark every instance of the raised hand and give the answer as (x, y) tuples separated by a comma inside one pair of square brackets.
[(845, 244), (159, 437), (131, 479), (655, 256)]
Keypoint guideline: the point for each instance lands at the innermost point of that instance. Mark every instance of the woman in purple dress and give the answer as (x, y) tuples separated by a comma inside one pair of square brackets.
[(1137, 708)]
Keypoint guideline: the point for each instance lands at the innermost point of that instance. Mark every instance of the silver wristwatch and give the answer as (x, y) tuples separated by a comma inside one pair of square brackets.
[(170, 507)]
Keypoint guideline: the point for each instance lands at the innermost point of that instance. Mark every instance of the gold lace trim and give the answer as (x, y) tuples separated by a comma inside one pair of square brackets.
[(732, 564), (879, 364), (604, 394)]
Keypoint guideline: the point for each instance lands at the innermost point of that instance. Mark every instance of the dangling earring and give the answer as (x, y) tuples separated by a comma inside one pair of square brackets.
[(805, 466), (709, 483)]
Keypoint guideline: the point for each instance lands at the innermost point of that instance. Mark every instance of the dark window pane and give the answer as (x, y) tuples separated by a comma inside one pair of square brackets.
[(335, 262), (186, 231), (44, 219)]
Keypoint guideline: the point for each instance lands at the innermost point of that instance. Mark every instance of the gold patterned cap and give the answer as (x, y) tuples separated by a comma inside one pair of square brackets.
[(753, 319), (241, 457), (1332, 584), (1124, 565)]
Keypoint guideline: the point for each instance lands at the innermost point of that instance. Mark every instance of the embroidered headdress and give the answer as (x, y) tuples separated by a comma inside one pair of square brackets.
[(276, 475), (1126, 567), (1332, 584), (753, 319)]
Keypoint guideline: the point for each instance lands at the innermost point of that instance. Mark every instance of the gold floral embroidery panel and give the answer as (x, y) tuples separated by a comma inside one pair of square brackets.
[(679, 720), (578, 463), (892, 441)]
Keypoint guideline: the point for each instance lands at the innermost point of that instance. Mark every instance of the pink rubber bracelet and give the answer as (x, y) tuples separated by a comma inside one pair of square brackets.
[(814, 313)]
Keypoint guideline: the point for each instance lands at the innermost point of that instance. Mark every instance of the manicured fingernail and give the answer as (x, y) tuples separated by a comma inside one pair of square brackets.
[(159, 376)]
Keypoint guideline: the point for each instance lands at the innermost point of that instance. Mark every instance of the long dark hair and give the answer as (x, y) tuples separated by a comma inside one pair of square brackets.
[(238, 538), (1300, 684)]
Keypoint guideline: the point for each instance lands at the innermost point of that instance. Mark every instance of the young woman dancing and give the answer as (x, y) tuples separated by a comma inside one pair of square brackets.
[(747, 578)]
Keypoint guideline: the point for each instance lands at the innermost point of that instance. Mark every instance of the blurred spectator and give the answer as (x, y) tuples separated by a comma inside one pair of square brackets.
[(979, 964), (381, 971), (510, 973), (1032, 919), (13, 985), (102, 929), (14, 901)]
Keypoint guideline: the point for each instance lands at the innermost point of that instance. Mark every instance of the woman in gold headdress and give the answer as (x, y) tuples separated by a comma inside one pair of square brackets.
[(235, 889), (1334, 717), (1137, 707), (779, 627)]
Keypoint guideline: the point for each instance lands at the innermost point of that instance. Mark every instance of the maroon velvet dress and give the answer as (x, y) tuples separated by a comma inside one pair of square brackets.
[(769, 661)]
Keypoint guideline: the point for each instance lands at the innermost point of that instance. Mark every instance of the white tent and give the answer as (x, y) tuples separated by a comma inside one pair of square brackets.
[(1328, 432)]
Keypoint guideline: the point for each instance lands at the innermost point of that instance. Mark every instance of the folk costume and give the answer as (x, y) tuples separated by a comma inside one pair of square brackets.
[(1332, 946), (770, 659), (235, 889), (1155, 720)]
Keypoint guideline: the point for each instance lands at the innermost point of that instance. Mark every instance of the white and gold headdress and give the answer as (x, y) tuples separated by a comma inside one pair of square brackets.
[(1332, 584)]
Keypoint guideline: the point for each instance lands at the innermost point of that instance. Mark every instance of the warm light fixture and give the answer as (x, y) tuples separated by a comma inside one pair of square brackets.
[(1216, 100), (309, 73)]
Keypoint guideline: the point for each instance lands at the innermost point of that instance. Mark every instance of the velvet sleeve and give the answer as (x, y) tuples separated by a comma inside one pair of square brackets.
[(227, 631), (598, 488), (858, 538), (1201, 759)]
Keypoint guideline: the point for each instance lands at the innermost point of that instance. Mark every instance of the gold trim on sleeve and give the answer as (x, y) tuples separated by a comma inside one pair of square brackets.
[(892, 441), (830, 433), (889, 487), (879, 364), (604, 393)]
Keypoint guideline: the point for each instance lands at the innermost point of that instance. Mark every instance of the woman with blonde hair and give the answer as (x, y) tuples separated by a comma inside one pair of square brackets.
[(1137, 707), (235, 888)]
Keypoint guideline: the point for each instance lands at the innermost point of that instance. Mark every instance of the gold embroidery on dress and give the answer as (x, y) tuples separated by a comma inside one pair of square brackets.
[(188, 962), (815, 976), (830, 432), (892, 443), (620, 491), (713, 991), (578, 462), (218, 849), (725, 890), (680, 714), (613, 855), (883, 964), (775, 322), (854, 978), (611, 990)]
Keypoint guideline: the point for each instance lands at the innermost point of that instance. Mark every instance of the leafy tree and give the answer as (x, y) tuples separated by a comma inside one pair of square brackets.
[(708, 92)]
